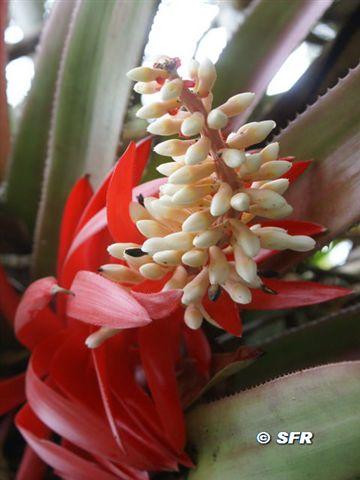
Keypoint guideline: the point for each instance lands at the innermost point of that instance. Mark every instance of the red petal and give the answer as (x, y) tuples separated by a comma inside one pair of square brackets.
[(225, 312), (119, 196), (9, 299), (12, 392), (101, 302), (293, 294), (160, 304), (143, 149), (295, 227), (296, 170), (31, 466), (76, 202), (157, 358), (34, 320), (198, 348)]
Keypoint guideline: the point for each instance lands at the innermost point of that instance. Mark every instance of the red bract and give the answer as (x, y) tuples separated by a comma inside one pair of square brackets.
[(118, 409)]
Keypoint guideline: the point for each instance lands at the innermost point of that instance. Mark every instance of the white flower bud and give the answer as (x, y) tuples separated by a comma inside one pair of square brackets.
[(192, 173), (197, 222), (173, 148), (147, 88), (156, 109), (207, 77), (169, 189), (177, 281), (270, 152), (153, 271), (220, 202), (163, 211), (245, 266), (219, 267), (120, 273), (233, 158), (245, 238), (168, 168), (252, 164), (301, 243), (267, 199), (138, 212), (207, 102), (196, 289), (152, 228), (279, 185), (217, 119), (198, 152), (193, 317), (165, 125), (179, 241), (193, 69), (193, 124), (275, 213), (191, 193), (117, 250), (237, 104), (272, 170), (240, 202), (250, 134), (171, 89), (155, 244), (238, 292), (195, 258), (100, 336), (168, 258), (146, 74), (207, 238)]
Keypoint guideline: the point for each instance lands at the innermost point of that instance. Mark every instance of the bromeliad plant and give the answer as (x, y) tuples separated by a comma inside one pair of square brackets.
[(121, 359)]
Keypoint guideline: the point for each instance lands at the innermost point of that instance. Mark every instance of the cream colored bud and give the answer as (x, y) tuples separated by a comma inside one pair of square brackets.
[(178, 279), (196, 289), (136, 262), (169, 189), (220, 202), (219, 267), (117, 250), (173, 148), (155, 244), (267, 199), (153, 271), (238, 292), (195, 258), (270, 152), (198, 221), (252, 164), (146, 74), (138, 212), (192, 173), (100, 336), (193, 124), (168, 168), (207, 102), (171, 89), (233, 158), (272, 170), (167, 211), (279, 185), (120, 273), (193, 317), (207, 238), (217, 119), (301, 243), (152, 228), (156, 109), (147, 88), (245, 238), (207, 77), (245, 266), (191, 193), (250, 134), (179, 241), (198, 152), (240, 202), (193, 69), (237, 104), (165, 125), (275, 213), (168, 258)]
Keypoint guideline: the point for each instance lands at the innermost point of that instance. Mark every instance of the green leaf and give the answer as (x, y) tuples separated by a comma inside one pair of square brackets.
[(328, 193), (322, 400), (270, 32), (104, 42), (4, 120), (25, 174)]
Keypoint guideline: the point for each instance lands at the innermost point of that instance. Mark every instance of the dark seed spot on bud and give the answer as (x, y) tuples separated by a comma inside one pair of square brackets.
[(269, 290), (214, 292), (268, 273), (140, 199), (135, 252)]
